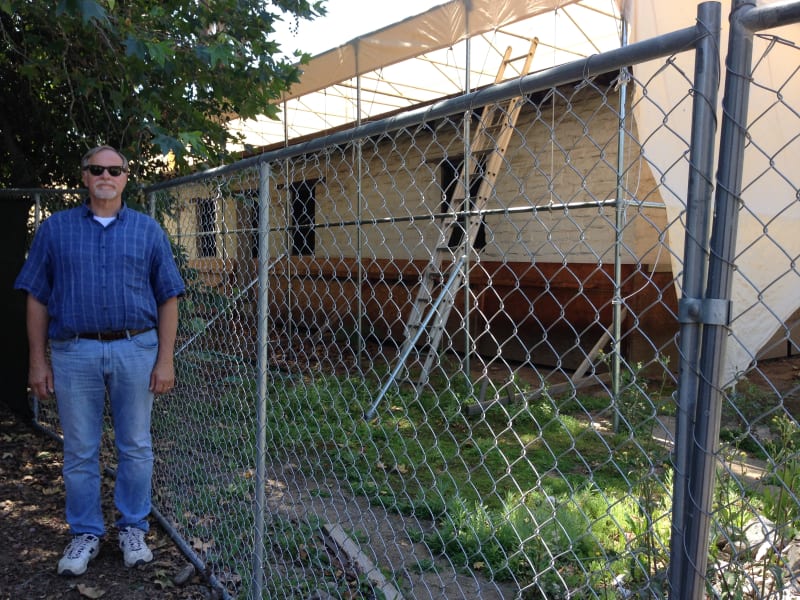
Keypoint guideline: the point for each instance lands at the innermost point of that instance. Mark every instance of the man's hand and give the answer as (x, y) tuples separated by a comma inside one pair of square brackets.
[(162, 379), (40, 380)]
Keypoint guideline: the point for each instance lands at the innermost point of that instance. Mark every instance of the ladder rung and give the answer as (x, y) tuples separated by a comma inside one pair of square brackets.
[(485, 142), (491, 127), (481, 146)]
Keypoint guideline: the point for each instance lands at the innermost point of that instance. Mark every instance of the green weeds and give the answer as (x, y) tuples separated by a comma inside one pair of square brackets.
[(543, 491)]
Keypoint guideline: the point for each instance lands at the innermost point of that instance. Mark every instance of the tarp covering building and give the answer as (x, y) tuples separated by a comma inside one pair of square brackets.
[(766, 287)]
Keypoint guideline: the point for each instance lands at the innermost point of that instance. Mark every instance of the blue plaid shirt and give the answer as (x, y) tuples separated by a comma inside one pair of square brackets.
[(94, 278)]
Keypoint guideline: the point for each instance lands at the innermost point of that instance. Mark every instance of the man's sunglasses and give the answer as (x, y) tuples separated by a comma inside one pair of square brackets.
[(97, 170)]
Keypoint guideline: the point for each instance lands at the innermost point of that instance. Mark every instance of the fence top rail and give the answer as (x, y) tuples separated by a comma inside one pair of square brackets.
[(758, 18)]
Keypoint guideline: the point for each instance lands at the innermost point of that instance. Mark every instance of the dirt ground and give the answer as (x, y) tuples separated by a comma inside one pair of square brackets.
[(33, 533)]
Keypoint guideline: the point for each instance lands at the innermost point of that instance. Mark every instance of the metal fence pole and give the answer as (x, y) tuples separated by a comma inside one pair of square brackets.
[(700, 482), (733, 140), (263, 368), (620, 210), (684, 547)]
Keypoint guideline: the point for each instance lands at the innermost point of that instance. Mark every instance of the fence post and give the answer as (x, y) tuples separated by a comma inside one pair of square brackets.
[(259, 506), (684, 548)]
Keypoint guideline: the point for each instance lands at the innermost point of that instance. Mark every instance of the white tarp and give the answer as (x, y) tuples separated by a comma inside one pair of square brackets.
[(426, 57), (766, 285), (440, 27)]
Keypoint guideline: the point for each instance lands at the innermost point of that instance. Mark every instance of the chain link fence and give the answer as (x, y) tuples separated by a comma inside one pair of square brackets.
[(414, 365)]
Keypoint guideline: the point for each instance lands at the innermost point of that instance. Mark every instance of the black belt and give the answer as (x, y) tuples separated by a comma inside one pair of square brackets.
[(110, 336)]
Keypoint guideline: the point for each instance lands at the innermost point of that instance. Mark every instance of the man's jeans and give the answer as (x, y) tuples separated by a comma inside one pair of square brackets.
[(83, 371)]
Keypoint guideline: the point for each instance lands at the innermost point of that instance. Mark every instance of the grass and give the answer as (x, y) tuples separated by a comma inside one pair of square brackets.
[(542, 492), (505, 488)]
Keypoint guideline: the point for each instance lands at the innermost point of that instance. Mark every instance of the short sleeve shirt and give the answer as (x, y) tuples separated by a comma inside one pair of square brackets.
[(94, 278)]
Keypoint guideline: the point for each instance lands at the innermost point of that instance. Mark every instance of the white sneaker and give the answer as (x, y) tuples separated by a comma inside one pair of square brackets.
[(133, 546), (83, 548)]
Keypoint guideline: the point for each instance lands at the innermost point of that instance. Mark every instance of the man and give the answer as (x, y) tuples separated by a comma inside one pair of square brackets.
[(103, 291)]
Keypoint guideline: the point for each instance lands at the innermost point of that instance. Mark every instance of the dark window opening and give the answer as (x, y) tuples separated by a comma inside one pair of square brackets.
[(254, 222), (303, 216), (452, 173), (207, 222)]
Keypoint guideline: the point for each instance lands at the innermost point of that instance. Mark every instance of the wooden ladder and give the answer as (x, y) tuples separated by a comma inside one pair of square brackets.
[(435, 299)]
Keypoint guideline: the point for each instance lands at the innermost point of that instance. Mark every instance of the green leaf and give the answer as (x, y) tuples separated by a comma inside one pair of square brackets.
[(168, 144), (217, 55), (159, 52), (134, 47), (89, 10)]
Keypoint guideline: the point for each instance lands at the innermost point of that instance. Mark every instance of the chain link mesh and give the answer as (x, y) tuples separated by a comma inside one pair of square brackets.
[(489, 475), (524, 454)]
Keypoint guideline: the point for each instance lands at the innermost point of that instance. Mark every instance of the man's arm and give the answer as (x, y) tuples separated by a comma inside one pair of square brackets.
[(40, 374), (162, 379)]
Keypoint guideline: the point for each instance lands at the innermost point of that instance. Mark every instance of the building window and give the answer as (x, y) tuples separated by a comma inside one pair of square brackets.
[(452, 172), (254, 223), (207, 227), (303, 216)]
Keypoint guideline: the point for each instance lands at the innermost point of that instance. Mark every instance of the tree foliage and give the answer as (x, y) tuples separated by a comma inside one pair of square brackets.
[(147, 76)]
